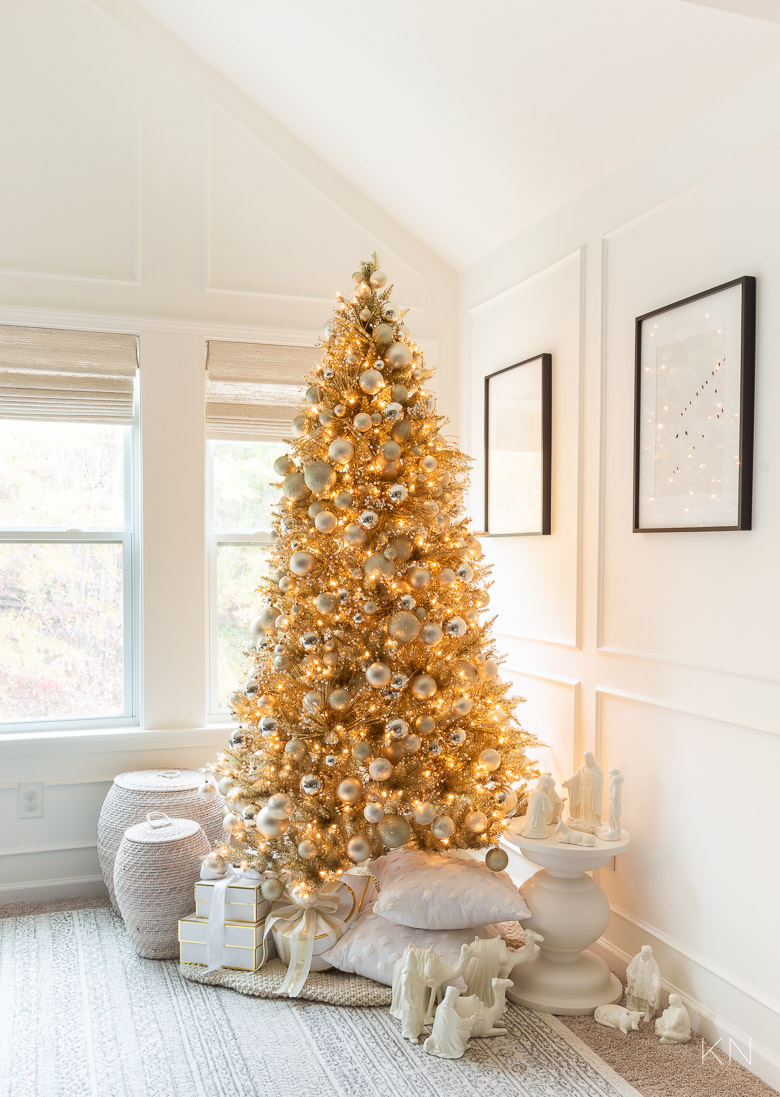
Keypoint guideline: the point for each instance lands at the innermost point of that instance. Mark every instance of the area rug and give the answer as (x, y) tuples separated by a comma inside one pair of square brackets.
[(82, 1016)]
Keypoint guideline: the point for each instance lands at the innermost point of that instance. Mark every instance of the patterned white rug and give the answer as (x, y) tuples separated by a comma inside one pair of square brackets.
[(82, 1016)]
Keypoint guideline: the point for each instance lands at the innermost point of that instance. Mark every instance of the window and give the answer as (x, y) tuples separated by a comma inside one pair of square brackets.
[(252, 391), (67, 543), (240, 500)]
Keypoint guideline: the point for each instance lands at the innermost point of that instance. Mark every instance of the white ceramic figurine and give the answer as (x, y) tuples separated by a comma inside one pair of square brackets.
[(539, 808), (556, 801), (491, 959), (574, 837), (409, 994), (486, 1018), (643, 983), (618, 1017), (612, 832), (450, 1031), (586, 788), (435, 974), (674, 1024)]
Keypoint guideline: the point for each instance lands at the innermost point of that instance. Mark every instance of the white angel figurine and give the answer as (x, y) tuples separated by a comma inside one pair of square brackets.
[(643, 983), (408, 1000), (450, 1031), (674, 1024)]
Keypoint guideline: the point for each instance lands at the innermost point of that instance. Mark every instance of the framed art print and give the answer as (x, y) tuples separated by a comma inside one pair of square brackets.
[(693, 412), (518, 448)]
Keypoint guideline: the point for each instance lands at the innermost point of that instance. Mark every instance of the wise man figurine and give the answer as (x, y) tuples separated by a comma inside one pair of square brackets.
[(612, 833), (586, 788), (674, 1024), (556, 802), (539, 807), (643, 983)]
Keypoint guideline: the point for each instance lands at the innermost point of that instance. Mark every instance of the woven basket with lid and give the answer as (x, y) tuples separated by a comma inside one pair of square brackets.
[(133, 795), (155, 871)]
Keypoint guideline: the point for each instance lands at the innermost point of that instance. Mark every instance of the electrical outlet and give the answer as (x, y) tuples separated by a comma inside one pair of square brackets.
[(29, 800)]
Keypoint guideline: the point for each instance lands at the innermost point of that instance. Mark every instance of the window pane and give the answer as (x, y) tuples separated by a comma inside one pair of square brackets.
[(62, 474), (241, 493), (239, 571), (60, 631)]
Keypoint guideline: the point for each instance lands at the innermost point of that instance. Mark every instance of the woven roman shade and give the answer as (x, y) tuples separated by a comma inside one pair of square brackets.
[(81, 376), (253, 389)]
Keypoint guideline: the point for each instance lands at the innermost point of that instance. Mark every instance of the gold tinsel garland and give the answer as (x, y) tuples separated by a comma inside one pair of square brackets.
[(373, 714)]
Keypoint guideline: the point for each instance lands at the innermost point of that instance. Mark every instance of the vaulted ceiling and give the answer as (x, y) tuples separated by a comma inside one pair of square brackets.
[(468, 120)]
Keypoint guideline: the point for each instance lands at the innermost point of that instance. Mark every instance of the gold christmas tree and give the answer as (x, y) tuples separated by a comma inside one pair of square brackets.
[(374, 716)]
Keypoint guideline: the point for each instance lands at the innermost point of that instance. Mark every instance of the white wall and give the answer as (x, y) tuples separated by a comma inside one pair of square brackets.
[(659, 652), (141, 192)]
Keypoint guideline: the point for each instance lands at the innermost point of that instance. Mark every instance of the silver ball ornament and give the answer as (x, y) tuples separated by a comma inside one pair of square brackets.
[(456, 626), (442, 827), (398, 493), (226, 784), (393, 411), (373, 813), (310, 784), (379, 769), (397, 728)]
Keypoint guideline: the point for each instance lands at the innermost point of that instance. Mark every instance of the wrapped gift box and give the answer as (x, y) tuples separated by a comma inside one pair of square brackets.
[(357, 893), (243, 901), (244, 948)]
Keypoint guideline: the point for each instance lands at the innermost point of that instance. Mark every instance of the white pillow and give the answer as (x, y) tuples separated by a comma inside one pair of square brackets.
[(371, 945), (433, 891)]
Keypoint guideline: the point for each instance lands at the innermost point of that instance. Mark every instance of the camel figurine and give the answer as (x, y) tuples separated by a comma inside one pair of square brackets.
[(435, 974), (492, 959), (485, 1017)]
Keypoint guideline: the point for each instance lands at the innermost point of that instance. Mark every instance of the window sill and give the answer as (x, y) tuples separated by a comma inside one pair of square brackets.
[(109, 740)]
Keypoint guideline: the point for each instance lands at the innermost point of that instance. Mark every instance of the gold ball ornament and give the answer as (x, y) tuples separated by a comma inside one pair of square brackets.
[(489, 759), (296, 749), (279, 805), (294, 487), (373, 813), (462, 706), (325, 602), (431, 634), (361, 751), (284, 465), (319, 476), (341, 450), (371, 381), (301, 563), (312, 701), (398, 355), (307, 850), (325, 521), (339, 699), (488, 670), (378, 279), (394, 831), (377, 566), (418, 577), (496, 859), (378, 675), (423, 813), (379, 769), (362, 422), (354, 535), (394, 752)]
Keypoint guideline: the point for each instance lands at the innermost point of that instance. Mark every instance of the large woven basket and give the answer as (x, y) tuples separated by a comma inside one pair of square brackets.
[(133, 795), (155, 871)]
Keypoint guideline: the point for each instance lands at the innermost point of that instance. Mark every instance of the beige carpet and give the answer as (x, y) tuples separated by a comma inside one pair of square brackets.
[(651, 1068)]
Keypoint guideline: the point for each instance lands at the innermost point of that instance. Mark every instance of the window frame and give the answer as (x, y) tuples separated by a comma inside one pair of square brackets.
[(215, 538), (129, 538)]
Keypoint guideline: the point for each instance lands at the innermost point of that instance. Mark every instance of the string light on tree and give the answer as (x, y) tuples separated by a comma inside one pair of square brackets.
[(373, 715)]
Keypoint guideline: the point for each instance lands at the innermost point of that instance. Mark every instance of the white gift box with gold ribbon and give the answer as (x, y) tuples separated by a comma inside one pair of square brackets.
[(304, 926), (243, 901), (244, 948)]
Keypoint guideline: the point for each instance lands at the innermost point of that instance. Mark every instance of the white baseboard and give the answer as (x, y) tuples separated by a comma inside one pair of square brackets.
[(763, 1061), (66, 887)]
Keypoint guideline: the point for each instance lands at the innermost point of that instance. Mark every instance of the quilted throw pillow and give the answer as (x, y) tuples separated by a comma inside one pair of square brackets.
[(371, 946), (432, 891)]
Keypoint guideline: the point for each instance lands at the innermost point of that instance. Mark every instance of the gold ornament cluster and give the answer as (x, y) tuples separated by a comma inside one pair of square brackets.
[(374, 715)]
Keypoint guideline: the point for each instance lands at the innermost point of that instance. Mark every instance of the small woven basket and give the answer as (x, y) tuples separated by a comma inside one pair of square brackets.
[(156, 868), (134, 794)]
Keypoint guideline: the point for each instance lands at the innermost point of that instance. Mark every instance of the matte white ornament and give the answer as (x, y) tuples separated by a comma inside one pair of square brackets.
[(279, 805), (431, 634), (358, 848), (489, 759), (226, 784), (476, 821), (585, 787), (674, 1024), (325, 521), (442, 827), (612, 832), (423, 813), (569, 837), (362, 422), (373, 813), (378, 675), (301, 563), (451, 1032), (380, 769), (340, 450), (350, 790), (618, 1017), (207, 790), (643, 983), (535, 825), (269, 825)]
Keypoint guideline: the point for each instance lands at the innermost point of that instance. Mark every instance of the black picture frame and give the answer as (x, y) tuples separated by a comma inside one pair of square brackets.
[(546, 445), (746, 415)]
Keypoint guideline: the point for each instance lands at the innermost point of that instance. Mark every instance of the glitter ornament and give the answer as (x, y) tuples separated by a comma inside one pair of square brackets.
[(399, 682), (284, 465), (272, 889), (319, 476), (403, 627), (326, 603), (358, 848), (426, 724), (350, 790), (378, 566), (496, 859), (361, 752), (307, 850), (431, 634), (394, 831), (294, 487)]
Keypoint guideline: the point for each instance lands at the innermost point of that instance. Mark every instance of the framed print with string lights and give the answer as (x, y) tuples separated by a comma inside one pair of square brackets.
[(693, 412)]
